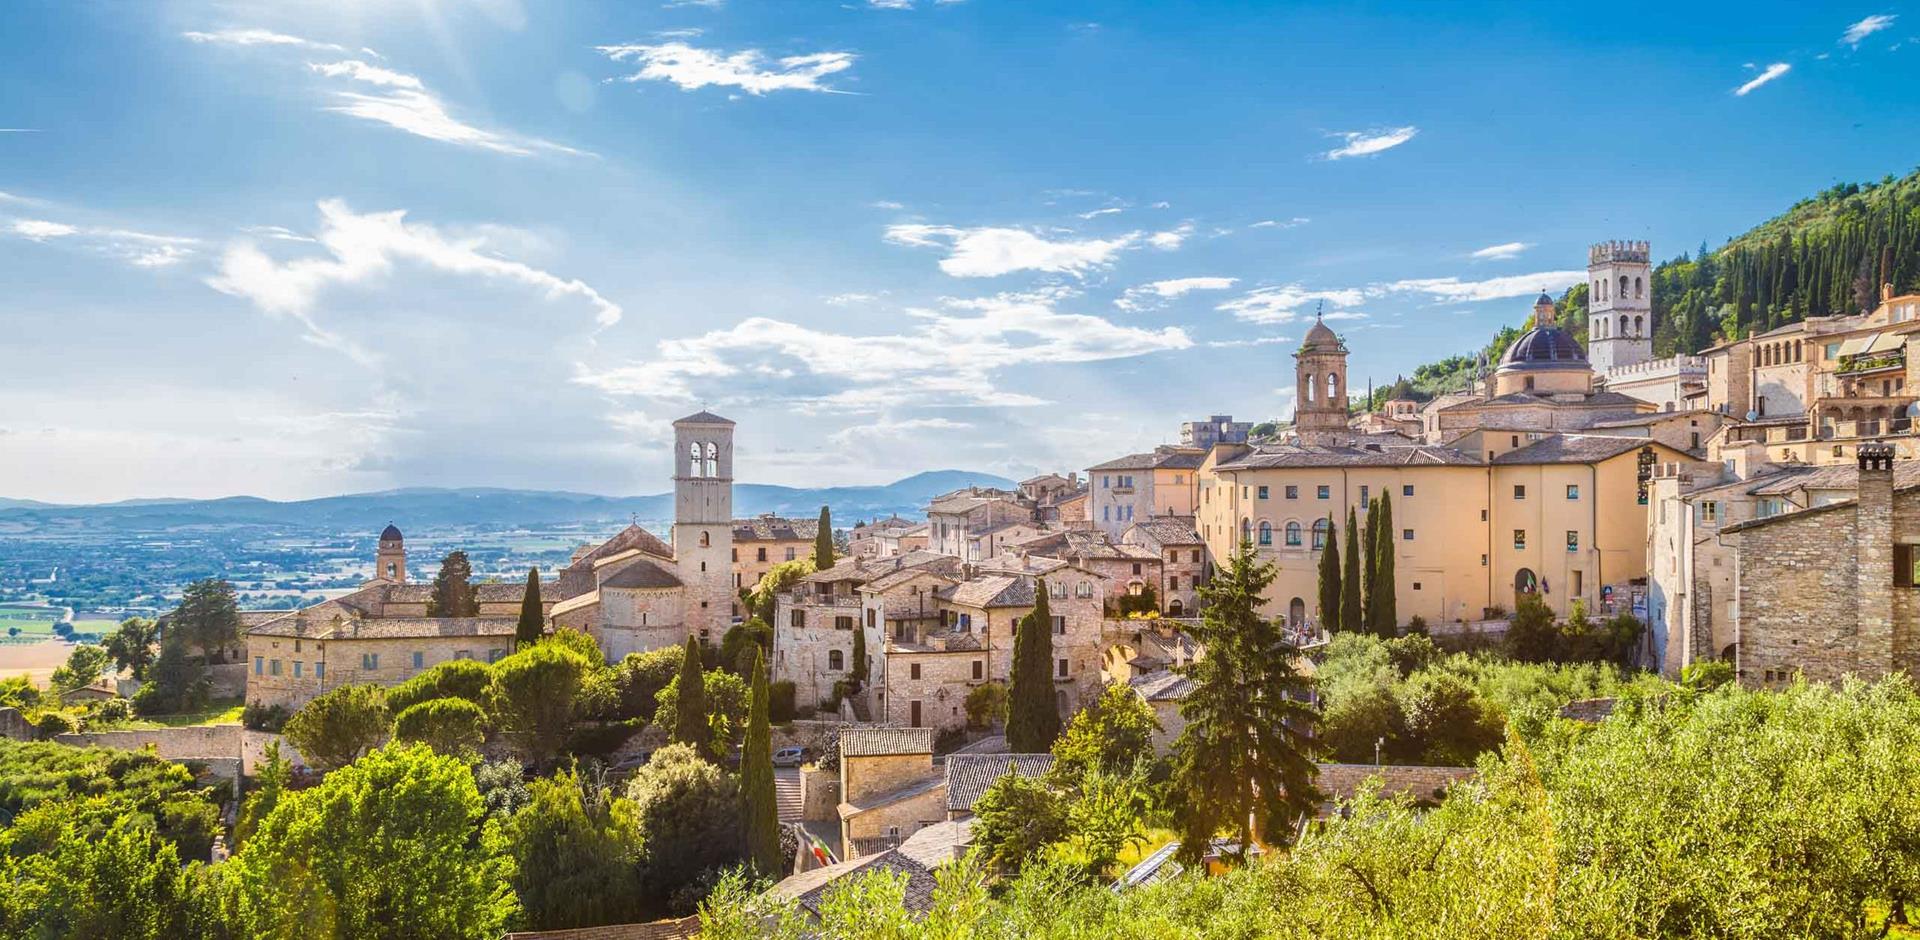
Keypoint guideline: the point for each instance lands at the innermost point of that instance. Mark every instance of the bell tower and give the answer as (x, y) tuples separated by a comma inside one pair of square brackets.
[(703, 521), (1320, 377), (1619, 305), (390, 563)]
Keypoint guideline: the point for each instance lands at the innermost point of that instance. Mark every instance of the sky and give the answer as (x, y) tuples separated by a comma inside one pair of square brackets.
[(305, 248)]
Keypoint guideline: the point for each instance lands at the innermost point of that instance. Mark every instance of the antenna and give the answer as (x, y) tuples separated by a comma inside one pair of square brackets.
[(1318, 307)]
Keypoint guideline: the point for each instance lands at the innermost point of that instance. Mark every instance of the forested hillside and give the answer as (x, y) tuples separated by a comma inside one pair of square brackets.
[(1827, 254)]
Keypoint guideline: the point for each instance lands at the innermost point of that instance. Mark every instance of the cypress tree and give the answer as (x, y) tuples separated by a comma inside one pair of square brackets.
[(1350, 578), (452, 592), (756, 778), (1370, 563), (1330, 580), (690, 726), (1032, 720), (532, 621), (1386, 609), (859, 673), (823, 542)]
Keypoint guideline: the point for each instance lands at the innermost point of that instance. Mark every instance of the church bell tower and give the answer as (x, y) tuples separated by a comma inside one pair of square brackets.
[(703, 521), (1619, 305)]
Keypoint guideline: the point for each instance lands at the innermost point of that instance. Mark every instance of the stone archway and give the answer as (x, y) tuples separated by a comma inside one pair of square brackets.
[(1524, 582), (1296, 612)]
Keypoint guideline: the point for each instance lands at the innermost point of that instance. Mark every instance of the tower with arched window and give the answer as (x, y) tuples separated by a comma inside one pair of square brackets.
[(1619, 305), (703, 520), (1320, 394)]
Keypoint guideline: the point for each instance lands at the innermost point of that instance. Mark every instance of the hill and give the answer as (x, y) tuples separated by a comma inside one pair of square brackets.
[(480, 506)]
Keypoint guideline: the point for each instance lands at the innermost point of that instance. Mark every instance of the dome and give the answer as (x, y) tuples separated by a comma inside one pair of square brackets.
[(1544, 347), (1320, 336), (390, 534), (1543, 300)]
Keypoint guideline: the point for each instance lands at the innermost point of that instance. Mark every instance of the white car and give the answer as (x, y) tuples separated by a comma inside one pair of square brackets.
[(789, 757)]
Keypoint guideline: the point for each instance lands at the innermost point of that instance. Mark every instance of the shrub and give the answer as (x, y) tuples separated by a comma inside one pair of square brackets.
[(986, 704), (638, 679), (258, 717), (339, 726), (689, 812), (780, 702), (1417, 626), (451, 726), (726, 696), (52, 722), (1706, 675), (455, 678), (112, 710), (600, 740), (948, 740)]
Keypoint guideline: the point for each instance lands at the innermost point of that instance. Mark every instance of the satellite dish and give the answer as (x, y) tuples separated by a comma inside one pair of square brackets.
[(1913, 410), (1753, 416)]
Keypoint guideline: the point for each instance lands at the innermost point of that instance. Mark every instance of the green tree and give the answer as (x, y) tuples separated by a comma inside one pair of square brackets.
[(452, 591), (690, 704), (756, 780), (339, 726), (533, 618), (689, 810), (125, 882), (1532, 636), (742, 642), (725, 697), (208, 618), (1109, 735), (392, 846), (1033, 718), (452, 726), (176, 683), (1352, 616), (134, 645), (269, 786), (1385, 606), (639, 678), (1241, 763), (1015, 818), (858, 671), (83, 666), (577, 855), (1330, 580), (453, 678), (823, 542), (763, 602), (986, 703), (534, 696), (1370, 569)]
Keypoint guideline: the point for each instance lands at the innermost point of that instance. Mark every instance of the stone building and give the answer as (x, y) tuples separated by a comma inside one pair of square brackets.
[(864, 537), (1124, 568), (888, 788), (1183, 562), (1140, 486), (1619, 305), (768, 540), (814, 622), (956, 520), (1829, 591), (1216, 429), (1320, 407)]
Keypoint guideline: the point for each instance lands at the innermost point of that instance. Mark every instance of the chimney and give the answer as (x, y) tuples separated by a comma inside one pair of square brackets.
[(1886, 292), (1873, 554)]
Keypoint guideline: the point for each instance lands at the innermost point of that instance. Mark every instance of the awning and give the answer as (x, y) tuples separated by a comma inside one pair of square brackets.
[(1885, 342), (1856, 345)]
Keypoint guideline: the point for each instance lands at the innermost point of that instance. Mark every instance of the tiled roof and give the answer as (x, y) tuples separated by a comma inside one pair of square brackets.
[(642, 573), (969, 775), (1170, 530), (1169, 458), (894, 579), (940, 843), (1572, 448), (703, 417), (775, 529), (683, 928), (1805, 513), (490, 592), (393, 628), (861, 570), (1634, 421), (809, 887), (883, 742), (1835, 477), (1162, 686), (1309, 455), (992, 591)]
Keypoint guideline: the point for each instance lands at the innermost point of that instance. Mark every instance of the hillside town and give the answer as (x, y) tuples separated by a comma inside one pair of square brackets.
[(1745, 510)]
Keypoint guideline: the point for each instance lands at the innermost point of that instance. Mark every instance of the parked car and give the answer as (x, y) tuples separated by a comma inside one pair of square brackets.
[(632, 763), (791, 756)]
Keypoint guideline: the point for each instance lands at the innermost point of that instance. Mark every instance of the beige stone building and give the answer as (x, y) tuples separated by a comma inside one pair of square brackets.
[(864, 537), (1138, 487), (1830, 591), (1183, 560), (768, 540), (814, 623), (956, 521), (888, 788)]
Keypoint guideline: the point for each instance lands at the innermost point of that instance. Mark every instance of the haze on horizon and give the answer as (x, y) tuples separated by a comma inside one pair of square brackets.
[(324, 248)]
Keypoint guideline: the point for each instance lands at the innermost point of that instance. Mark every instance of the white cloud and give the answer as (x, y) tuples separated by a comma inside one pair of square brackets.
[(1256, 341), (852, 299), (692, 68), (1368, 143), (888, 204), (1110, 210), (1771, 72), (258, 37), (40, 230), (949, 360), (708, 4), (1502, 252), (140, 249), (1137, 298), (19, 130), (1286, 303), (890, 4), (1455, 290), (888, 429), (1868, 27), (405, 103), (363, 247), (1294, 222), (1172, 238), (993, 251)]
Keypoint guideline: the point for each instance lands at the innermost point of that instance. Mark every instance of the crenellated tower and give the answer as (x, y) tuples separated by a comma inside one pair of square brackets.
[(1619, 305)]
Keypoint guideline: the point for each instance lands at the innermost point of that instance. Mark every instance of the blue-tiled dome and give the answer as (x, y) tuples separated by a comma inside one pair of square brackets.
[(391, 533), (1545, 347)]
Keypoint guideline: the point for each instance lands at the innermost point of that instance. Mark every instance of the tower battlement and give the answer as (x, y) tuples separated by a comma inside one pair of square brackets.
[(1618, 251)]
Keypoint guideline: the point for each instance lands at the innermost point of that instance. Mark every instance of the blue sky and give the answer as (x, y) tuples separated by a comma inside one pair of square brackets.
[(314, 247)]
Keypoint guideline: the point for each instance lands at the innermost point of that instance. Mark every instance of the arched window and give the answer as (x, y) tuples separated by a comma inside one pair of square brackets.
[(1623, 324), (1639, 289), (1796, 350), (1266, 532), (1320, 529), (836, 660), (1296, 612), (1293, 534), (693, 463), (1333, 388), (1639, 326), (1524, 582), (1623, 287), (713, 460), (1246, 529), (1175, 608), (706, 540), (1307, 389)]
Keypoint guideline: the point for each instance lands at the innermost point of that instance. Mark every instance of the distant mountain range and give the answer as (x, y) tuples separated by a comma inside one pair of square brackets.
[(425, 507)]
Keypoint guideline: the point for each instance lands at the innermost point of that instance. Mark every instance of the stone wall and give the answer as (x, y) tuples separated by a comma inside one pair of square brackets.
[(13, 725), (1340, 781), (197, 743), (907, 816), (862, 777), (229, 680), (819, 795)]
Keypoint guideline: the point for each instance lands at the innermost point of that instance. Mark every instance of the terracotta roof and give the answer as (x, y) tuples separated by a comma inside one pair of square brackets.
[(969, 775), (1170, 530), (642, 573), (1310, 455), (680, 929), (775, 529), (809, 887), (1168, 458), (1573, 448), (884, 742)]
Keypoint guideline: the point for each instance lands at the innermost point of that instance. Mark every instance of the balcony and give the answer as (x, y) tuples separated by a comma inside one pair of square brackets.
[(1864, 363)]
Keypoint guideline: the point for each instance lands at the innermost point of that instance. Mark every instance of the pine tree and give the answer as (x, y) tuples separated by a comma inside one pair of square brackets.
[(533, 621), (1242, 764), (1330, 580), (1032, 719), (1350, 578), (452, 593), (823, 542), (1386, 608), (1370, 562), (756, 778), (690, 713)]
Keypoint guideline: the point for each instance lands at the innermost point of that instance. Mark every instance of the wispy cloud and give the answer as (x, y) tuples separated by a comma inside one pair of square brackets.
[(1294, 222), (364, 247), (1368, 143), (707, 4), (1145, 295), (1502, 252), (1256, 341), (403, 102), (1110, 210), (1172, 238), (140, 249), (993, 251), (749, 70), (259, 37), (950, 360), (1771, 72), (1455, 290), (1287, 303), (1868, 27), (19, 130)]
